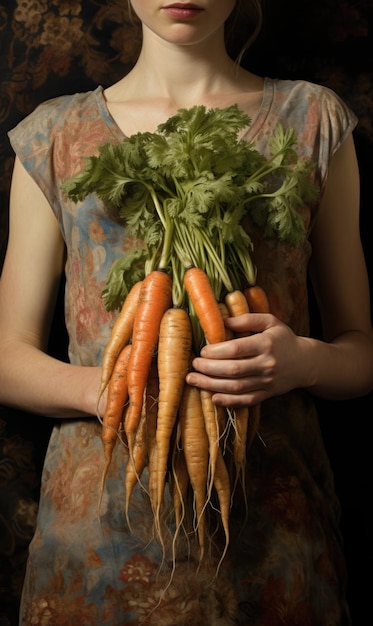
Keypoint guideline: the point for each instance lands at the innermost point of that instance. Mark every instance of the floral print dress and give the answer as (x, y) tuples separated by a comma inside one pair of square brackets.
[(88, 564)]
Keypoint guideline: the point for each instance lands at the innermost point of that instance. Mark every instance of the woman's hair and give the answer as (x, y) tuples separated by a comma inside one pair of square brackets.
[(243, 26)]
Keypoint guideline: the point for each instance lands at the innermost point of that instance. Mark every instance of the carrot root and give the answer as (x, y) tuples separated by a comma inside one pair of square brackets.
[(114, 411), (136, 463), (257, 299), (237, 305), (196, 450), (154, 300), (201, 294), (120, 336), (223, 491), (174, 357)]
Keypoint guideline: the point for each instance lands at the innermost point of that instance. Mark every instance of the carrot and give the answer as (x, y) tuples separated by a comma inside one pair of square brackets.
[(154, 300), (241, 421), (212, 421), (151, 401), (246, 424), (225, 313), (136, 463), (237, 305), (223, 492), (116, 400), (179, 489), (195, 446), (202, 297), (174, 358), (258, 303), (120, 335), (257, 299), (224, 426), (180, 482)]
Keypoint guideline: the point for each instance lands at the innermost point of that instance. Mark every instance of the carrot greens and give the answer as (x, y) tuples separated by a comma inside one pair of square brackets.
[(183, 191)]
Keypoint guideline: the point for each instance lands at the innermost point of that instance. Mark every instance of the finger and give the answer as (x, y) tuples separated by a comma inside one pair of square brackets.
[(229, 368), (240, 347), (231, 401), (250, 322), (234, 385)]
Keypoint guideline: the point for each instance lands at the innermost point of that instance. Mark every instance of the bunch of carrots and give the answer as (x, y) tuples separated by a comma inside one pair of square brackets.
[(182, 192), (170, 427)]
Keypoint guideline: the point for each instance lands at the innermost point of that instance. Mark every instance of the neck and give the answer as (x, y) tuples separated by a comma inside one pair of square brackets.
[(182, 72)]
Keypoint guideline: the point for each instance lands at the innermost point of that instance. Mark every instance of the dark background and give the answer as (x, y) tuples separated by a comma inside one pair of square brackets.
[(52, 48)]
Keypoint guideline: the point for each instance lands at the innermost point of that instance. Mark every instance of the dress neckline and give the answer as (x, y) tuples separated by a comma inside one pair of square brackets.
[(256, 124)]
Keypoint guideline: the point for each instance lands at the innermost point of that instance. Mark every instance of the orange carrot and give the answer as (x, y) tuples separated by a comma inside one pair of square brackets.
[(154, 300), (116, 400), (238, 305), (223, 492), (151, 401), (225, 313), (201, 295), (257, 299), (120, 335), (174, 358), (258, 303), (136, 463), (180, 482), (246, 424), (195, 446), (241, 421), (213, 419)]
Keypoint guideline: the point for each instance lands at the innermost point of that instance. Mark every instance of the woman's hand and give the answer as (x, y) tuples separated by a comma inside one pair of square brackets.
[(247, 370)]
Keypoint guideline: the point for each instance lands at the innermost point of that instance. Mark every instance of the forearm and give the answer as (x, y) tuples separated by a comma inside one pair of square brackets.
[(35, 382), (339, 370)]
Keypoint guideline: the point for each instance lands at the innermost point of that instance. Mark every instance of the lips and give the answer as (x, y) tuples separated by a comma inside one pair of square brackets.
[(180, 10), (183, 5)]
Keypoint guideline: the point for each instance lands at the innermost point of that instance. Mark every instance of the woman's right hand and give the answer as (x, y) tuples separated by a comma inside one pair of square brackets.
[(30, 379)]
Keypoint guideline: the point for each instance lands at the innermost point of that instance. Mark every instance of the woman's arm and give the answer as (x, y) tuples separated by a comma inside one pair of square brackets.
[(29, 378), (340, 281), (274, 360)]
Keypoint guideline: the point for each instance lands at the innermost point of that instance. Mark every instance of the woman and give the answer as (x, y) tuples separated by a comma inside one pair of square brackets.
[(285, 561)]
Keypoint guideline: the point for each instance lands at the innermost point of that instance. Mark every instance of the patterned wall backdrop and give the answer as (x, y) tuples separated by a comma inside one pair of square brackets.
[(51, 47)]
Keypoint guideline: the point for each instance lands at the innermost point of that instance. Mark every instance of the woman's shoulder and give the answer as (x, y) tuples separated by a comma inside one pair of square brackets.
[(314, 110), (319, 116), (302, 95), (299, 86), (65, 105), (67, 126), (61, 109)]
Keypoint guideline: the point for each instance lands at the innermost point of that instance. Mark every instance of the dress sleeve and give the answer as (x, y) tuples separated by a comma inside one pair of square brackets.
[(54, 141), (337, 122), (31, 142)]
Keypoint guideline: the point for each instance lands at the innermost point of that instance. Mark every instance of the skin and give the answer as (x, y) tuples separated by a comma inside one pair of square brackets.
[(242, 371)]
